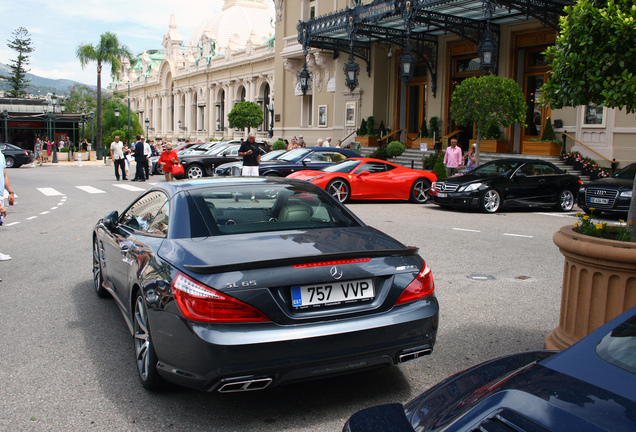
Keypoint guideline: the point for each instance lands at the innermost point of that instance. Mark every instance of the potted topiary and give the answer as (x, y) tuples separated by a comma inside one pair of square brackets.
[(547, 145), (439, 168), (492, 141), (365, 135), (395, 148), (279, 145)]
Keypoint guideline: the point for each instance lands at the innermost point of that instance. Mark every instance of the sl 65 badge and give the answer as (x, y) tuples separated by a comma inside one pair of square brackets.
[(242, 284)]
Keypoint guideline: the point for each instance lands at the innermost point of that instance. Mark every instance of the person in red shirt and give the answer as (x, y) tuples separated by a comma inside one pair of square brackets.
[(167, 159)]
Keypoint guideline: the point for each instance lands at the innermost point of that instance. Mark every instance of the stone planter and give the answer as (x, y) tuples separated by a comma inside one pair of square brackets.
[(599, 283), (491, 146), (540, 148), (84, 156), (367, 141)]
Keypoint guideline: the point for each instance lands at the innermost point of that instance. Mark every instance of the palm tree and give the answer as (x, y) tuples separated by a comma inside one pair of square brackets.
[(109, 51)]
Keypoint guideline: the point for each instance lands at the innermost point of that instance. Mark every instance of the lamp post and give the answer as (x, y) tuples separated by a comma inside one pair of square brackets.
[(91, 116), (128, 131), (5, 115), (351, 70), (270, 108), (407, 63), (487, 48), (117, 117), (54, 100), (304, 76), (147, 125)]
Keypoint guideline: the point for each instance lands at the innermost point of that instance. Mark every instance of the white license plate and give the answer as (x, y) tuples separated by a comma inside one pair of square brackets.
[(441, 194), (332, 293), (599, 200)]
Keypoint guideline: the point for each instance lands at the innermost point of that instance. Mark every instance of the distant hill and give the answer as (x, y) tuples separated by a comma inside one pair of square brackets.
[(40, 86)]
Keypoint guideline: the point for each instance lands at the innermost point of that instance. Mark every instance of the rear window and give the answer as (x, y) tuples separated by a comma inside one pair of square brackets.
[(619, 346), (263, 207)]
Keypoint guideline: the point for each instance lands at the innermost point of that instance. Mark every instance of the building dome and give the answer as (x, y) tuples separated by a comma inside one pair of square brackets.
[(238, 22)]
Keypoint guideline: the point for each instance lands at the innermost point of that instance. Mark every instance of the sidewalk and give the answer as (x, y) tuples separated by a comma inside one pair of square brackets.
[(62, 160)]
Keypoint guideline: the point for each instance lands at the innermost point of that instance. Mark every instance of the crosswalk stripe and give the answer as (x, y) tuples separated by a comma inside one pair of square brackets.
[(32, 217), (49, 191), (129, 187), (12, 223), (6, 194), (90, 189)]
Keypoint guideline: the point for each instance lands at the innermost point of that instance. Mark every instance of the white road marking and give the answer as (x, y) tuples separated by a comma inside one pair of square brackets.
[(60, 203), (561, 215), (463, 229), (32, 217), (49, 191), (12, 223), (518, 235), (53, 208), (90, 189), (129, 187), (45, 212)]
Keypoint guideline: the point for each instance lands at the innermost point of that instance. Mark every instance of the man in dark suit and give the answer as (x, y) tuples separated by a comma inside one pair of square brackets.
[(140, 159)]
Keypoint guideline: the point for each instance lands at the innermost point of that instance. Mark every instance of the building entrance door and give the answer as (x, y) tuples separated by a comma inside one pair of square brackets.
[(536, 114), (415, 109)]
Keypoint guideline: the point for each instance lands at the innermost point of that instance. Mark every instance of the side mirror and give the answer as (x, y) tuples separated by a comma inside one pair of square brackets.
[(111, 220), (520, 175), (364, 174), (306, 161)]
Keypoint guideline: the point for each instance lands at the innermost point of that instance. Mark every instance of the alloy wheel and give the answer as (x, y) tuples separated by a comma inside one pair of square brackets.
[(566, 201), (339, 189), (491, 201), (142, 339), (10, 161), (98, 279), (419, 193), (195, 172)]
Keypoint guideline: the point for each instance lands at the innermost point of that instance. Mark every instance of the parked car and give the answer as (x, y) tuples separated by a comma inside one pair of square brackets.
[(312, 158), (590, 386), (181, 150), (226, 168), (514, 182), (16, 156), (226, 293), (611, 194), (203, 165), (365, 178)]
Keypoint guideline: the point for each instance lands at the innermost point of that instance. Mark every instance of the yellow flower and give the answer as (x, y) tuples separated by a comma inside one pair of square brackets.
[(592, 209), (586, 217), (576, 223), (621, 221), (578, 214), (599, 226)]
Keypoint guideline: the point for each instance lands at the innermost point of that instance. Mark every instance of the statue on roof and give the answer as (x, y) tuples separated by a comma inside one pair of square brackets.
[(212, 52), (196, 62)]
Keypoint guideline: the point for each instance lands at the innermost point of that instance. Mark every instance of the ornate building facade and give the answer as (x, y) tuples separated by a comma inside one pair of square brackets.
[(186, 90)]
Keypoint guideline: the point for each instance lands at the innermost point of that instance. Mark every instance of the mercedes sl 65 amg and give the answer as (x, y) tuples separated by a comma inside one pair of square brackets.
[(236, 284)]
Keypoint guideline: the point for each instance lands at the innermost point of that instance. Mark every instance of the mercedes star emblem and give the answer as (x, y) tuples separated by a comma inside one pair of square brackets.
[(335, 272)]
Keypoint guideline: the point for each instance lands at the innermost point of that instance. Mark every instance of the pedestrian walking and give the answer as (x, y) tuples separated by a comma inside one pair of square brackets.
[(148, 154), (469, 159), (320, 142), (251, 154), (327, 142), (37, 149), (301, 141), (117, 155), (452, 158), (127, 157), (4, 184), (140, 159), (167, 160)]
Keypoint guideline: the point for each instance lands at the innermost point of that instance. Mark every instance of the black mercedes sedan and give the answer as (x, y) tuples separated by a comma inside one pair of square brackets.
[(231, 168), (239, 283), (511, 182), (15, 156), (305, 158), (611, 194), (588, 387)]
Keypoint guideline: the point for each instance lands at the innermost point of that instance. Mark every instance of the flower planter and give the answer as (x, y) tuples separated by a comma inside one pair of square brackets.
[(367, 141), (84, 156), (599, 283), (491, 146), (540, 148)]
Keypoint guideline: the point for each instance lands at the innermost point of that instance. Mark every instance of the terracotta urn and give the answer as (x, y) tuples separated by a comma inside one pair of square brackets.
[(599, 283)]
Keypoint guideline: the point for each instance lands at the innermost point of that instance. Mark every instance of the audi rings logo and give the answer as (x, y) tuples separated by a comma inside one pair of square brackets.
[(600, 192), (335, 272)]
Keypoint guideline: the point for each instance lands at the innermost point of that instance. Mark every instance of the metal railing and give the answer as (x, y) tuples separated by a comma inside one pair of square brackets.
[(613, 163)]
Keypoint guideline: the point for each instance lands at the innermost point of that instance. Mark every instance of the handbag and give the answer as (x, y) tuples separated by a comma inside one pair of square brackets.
[(177, 169)]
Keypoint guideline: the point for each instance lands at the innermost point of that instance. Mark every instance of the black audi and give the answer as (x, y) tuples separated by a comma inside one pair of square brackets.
[(15, 156), (508, 183), (611, 194), (240, 283)]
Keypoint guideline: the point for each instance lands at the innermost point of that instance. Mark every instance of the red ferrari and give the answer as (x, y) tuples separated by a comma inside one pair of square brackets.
[(369, 179)]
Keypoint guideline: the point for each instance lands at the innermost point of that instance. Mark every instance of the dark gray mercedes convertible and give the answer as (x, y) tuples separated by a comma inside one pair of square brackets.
[(238, 284)]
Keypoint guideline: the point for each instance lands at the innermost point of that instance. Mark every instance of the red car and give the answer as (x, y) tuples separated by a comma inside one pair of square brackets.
[(369, 179)]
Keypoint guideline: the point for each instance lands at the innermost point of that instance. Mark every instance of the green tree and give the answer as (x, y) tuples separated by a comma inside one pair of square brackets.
[(82, 99), (21, 44), (245, 115), (110, 123), (108, 51), (594, 61), (279, 145), (487, 101)]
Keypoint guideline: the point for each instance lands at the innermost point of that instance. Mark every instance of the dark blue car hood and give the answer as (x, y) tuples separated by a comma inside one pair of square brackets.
[(254, 250)]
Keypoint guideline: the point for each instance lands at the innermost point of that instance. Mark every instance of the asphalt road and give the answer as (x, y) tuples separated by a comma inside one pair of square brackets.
[(66, 358)]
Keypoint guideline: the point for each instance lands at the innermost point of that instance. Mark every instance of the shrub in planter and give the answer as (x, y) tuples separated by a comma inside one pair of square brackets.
[(380, 153), (370, 126), (434, 127), (382, 129), (548, 132), (395, 148), (430, 160), (493, 133), (439, 168), (279, 145), (424, 130), (363, 128), (64, 150)]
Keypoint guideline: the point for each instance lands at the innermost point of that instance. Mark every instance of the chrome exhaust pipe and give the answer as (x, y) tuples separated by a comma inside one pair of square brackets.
[(245, 385), (412, 355)]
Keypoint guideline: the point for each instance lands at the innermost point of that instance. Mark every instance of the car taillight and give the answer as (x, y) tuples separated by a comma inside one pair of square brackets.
[(198, 302), (422, 286), (26, 153)]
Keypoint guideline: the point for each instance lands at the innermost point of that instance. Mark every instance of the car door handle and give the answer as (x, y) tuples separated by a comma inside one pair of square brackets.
[(125, 250)]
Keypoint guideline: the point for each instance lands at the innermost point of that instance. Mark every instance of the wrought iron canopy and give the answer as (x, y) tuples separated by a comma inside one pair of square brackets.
[(353, 29)]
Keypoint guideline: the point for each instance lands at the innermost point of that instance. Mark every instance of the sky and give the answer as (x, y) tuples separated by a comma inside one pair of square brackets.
[(58, 27)]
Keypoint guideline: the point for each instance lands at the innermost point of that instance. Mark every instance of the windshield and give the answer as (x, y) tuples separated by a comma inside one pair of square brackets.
[(619, 346), (627, 173), (496, 167), (263, 207), (217, 150), (345, 166), (294, 155), (272, 155)]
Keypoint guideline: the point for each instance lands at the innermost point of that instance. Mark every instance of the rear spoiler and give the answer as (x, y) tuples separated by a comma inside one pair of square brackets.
[(280, 262)]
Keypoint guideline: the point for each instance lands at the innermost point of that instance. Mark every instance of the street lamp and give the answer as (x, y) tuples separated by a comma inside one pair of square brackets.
[(351, 70), (117, 117), (487, 48), (54, 103), (407, 63), (304, 76), (5, 115), (128, 131), (147, 125), (91, 116)]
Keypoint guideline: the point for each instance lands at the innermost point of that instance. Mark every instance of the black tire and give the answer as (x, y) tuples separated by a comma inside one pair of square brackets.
[(339, 189), (565, 202), (98, 278), (419, 191), (490, 201), (10, 161), (195, 171), (145, 356)]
